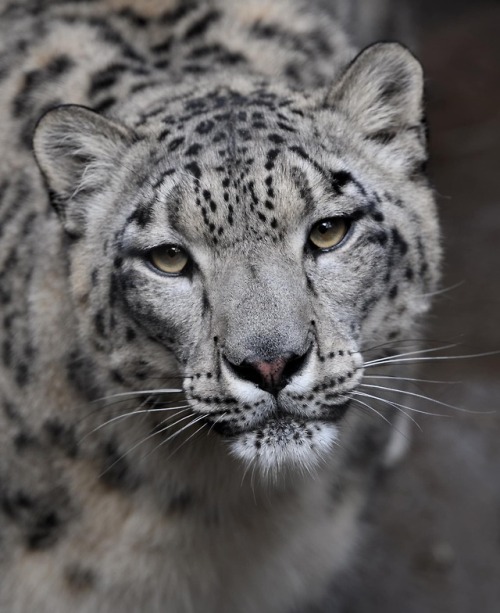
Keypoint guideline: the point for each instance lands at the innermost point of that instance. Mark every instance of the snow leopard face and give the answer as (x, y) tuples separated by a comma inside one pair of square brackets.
[(252, 240)]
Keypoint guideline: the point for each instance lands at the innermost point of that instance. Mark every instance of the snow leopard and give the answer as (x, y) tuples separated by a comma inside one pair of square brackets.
[(215, 229)]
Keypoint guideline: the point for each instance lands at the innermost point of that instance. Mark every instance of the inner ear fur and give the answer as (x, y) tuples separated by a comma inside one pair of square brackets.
[(76, 149), (381, 91)]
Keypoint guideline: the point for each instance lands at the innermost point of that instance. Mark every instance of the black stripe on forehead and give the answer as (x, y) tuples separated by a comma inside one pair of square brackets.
[(334, 181), (303, 186), (148, 209), (305, 191)]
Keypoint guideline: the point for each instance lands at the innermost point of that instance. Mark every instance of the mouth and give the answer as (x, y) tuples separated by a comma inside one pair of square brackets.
[(280, 420), (283, 439)]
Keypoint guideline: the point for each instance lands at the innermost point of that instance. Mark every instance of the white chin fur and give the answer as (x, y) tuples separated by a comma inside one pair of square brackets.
[(285, 446)]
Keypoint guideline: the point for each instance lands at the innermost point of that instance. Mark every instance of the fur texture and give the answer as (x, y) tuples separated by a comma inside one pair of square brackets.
[(198, 441)]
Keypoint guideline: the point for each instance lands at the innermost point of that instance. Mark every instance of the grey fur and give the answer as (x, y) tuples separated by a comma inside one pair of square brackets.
[(229, 129)]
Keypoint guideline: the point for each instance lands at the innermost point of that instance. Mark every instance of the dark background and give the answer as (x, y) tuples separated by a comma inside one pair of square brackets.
[(436, 543)]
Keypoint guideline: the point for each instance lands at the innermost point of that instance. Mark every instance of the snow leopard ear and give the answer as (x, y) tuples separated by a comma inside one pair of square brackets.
[(382, 93), (76, 150)]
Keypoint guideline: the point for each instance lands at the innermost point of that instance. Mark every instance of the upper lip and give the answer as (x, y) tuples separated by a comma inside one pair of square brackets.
[(227, 428)]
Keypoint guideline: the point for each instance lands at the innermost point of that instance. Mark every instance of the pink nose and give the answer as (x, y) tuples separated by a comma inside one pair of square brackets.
[(271, 373), (270, 376)]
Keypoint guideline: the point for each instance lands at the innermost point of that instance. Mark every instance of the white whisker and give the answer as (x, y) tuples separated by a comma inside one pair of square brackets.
[(372, 410), (383, 416), (395, 342), (143, 440), (407, 353), (427, 359), (444, 290), (215, 421), (155, 392), (394, 378), (139, 411), (401, 407), (185, 441), (424, 397), (175, 434)]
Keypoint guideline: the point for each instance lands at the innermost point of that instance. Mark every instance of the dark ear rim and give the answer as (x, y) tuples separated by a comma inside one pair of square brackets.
[(393, 58), (63, 108), (103, 127), (69, 136), (378, 47), (72, 105), (383, 44)]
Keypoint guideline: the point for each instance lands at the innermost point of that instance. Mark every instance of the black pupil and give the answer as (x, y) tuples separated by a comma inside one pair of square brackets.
[(173, 252), (324, 227)]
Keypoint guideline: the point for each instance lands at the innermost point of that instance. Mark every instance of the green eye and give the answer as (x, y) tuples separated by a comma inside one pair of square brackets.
[(328, 233), (169, 258)]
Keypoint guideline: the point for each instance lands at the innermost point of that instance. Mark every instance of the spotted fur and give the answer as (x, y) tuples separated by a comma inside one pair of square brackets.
[(146, 464)]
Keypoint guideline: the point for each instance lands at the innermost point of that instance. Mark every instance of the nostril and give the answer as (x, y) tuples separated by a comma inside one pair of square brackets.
[(246, 371), (294, 364), (270, 376)]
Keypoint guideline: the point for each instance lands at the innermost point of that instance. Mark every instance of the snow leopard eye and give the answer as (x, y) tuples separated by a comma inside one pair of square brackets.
[(328, 233), (170, 259)]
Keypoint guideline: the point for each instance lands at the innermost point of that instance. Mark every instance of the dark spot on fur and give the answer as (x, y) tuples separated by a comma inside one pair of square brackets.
[(384, 137), (40, 516), (7, 353), (181, 502), (117, 377), (173, 16), (141, 216), (418, 170), (339, 179), (200, 26), (104, 105), (194, 169), (163, 134), (276, 138), (368, 446), (272, 154), (36, 78), (24, 440), (377, 237), (62, 436), (99, 323), (130, 335), (42, 532), (194, 149), (377, 216), (176, 143), (79, 578), (115, 471), (22, 374), (399, 241), (205, 126), (166, 173), (80, 374), (205, 303), (101, 80)]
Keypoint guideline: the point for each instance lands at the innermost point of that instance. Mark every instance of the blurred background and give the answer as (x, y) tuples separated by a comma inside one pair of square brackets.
[(435, 547)]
